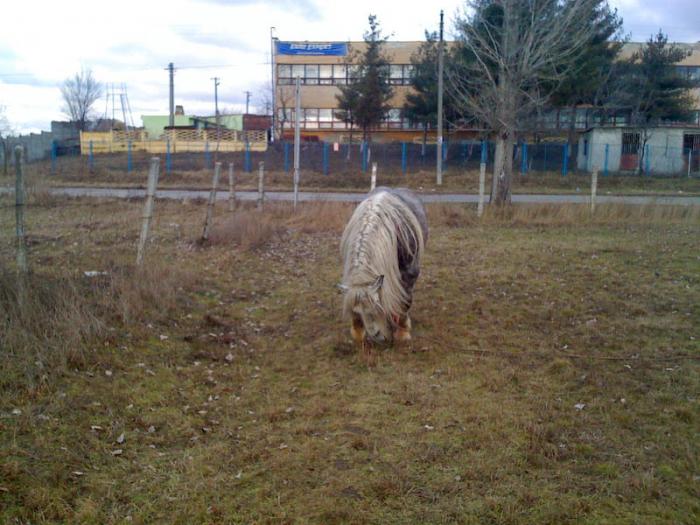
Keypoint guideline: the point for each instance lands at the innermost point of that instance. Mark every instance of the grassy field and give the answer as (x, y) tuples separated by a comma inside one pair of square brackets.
[(553, 377), (74, 172)]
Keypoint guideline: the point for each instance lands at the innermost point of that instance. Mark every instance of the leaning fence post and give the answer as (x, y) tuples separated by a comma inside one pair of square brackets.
[(91, 158), (690, 159), (286, 157), (261, 185), (212, 200), (565, 161), (482, 178), (594, 189), (148, 209), (231, 188), (373, 183), (19, 213), (207, 155), (523, 163)]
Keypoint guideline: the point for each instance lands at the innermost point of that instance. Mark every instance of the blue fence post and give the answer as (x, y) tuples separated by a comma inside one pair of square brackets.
[(207, 155), (286, 157), (544, 168), (523, 163), (607, 156), (484, 152), (404, 164), (647, 153), (128, 157), (91, 158), (565, 161), (53, 157), (168, 158), (364, 156), (325, 158), (247, 157)]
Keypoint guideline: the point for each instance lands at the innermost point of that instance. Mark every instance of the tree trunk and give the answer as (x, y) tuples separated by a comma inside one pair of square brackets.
[(502, 169)]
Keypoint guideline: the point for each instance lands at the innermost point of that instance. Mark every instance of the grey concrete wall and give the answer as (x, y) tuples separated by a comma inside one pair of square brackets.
[(37, 146)]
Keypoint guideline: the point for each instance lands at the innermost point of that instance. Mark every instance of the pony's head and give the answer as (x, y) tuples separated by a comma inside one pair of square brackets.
[(365, 302)]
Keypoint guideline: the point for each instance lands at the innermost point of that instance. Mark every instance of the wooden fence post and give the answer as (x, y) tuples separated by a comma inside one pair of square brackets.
[(594, 189), (231, 188), (261, 185), (19, 212), (373, 182), (148, 208), (212, 200)]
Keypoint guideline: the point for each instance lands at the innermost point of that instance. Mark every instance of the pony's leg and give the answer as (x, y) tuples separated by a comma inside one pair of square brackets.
[(357, 330), (403, 330)]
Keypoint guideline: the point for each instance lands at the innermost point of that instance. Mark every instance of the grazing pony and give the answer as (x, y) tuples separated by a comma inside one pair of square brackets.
[(381, 249)]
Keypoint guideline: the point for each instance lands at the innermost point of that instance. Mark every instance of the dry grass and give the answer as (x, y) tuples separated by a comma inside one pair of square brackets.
[(241, 400)]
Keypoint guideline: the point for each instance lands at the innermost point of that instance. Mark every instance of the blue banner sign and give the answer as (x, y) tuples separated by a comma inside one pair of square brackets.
[(312, 48)]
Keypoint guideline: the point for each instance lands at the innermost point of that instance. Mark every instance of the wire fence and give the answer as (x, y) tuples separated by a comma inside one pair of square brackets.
[(401, 158)]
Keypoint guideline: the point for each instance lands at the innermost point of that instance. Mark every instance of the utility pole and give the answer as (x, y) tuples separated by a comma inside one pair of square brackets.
[(297, 137), (247, 101), (441, 59), (171, 70), (272, 84)]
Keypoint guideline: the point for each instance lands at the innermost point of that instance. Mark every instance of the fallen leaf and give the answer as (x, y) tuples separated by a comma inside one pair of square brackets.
[(579, 406), (117, 452), (121, 438)]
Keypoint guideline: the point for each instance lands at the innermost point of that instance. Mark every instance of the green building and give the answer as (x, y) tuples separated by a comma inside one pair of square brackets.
[(155, 125)]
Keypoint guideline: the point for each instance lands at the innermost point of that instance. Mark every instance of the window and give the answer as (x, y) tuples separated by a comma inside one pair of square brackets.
[(325, 74), (298, 71), (630, 143), (325, 118), (311, 74), (396, 74), (340, 72), (284, 74)]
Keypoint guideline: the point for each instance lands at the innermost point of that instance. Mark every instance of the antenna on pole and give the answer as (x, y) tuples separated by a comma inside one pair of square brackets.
[(441, 46)]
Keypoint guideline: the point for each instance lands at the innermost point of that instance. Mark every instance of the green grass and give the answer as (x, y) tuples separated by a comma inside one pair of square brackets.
[(256, 408)]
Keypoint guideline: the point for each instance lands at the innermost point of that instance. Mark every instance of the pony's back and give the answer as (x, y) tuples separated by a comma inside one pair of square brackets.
[(384, 239)]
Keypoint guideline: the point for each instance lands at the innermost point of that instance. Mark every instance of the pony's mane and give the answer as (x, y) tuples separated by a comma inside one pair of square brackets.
[(369, 248)]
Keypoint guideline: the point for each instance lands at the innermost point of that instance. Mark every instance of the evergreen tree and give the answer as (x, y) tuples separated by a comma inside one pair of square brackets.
[(590, 79), (421, 104), (364, 101)]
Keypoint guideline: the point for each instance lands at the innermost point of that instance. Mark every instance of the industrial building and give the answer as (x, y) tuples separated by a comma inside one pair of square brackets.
[(323, 66)]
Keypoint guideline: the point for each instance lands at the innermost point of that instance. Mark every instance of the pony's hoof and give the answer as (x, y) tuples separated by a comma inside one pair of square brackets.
[(402, 335)]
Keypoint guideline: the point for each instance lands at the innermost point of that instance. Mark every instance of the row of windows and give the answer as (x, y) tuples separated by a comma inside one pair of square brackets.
[(312, 118), (335, 74)]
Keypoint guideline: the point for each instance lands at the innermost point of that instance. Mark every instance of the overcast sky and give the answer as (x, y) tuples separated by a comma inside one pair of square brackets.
[(131, 42)]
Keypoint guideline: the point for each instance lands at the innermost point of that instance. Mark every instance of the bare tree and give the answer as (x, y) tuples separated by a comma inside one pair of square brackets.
[(80, 92), (285, 105), (5, 132), (512, 55)]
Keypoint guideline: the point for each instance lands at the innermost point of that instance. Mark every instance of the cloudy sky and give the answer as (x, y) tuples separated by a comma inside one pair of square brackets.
[(131, 42)]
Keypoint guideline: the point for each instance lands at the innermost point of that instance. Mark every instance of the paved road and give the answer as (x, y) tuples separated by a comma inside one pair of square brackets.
[(121, 193)]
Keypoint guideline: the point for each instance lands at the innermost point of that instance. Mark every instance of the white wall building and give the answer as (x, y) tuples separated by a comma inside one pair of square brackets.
[(668, 150)]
